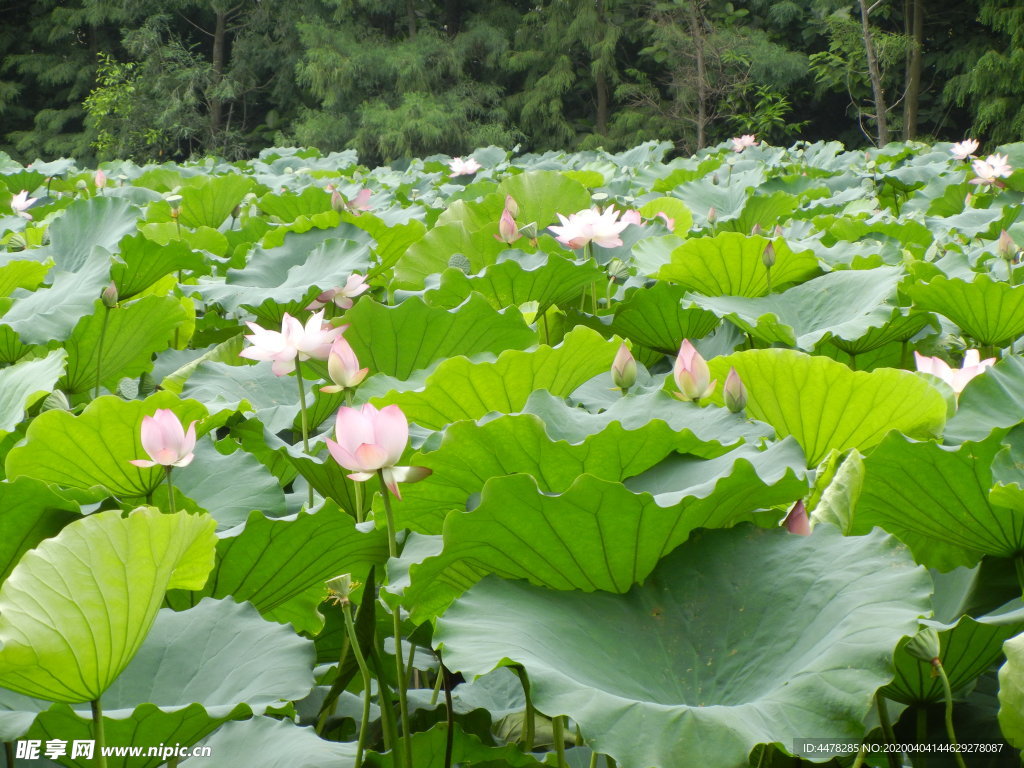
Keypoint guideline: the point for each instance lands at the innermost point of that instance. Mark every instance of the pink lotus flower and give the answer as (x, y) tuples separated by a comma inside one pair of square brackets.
[(21, 202), (669, 221), (342, 297), (508, 232), (100, 179), (343, 367), (294, 341), (463, 167), (166, 442), (742, 142), (964, 149), (991, 169), (624, 368), (632, 216), (957, 378), (370, 440), (361, 202), (692, 374), (734, 393), (590, 225)]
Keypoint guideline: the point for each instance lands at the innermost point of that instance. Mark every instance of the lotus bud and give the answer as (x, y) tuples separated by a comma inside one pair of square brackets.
[(1007, 247), (925, 646), (768, 256), (109, 295), (756, 229), (712, 215), (81, 185), (691, 374), (100, 179), (734, 393), (714, 179), (507, 231), (343, 367), (337, 201), (778, 231), (797, 521), (511, 205), (624, 369)]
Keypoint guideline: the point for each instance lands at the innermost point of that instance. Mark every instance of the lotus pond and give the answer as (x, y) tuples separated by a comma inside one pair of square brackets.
[(566, 459)]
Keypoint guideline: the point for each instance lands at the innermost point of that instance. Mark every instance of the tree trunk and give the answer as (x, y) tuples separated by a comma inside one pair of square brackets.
[(216, 103), (410, 17), (881, 116), (915, 30), (697, 33)]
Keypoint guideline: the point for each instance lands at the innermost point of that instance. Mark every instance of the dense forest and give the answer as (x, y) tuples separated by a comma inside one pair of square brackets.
[(99, 79)]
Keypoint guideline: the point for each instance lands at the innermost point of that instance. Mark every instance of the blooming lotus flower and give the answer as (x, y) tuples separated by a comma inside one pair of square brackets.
[(991, 169), (957, 378), (293, 342), (742, 142), (21, 202), (590, 226), (342, 297), (370, 440), (691, 373), (463, 167), (964, 149), (624, 368), (508, 232), (343, 367), (166, 442), (734, 393)]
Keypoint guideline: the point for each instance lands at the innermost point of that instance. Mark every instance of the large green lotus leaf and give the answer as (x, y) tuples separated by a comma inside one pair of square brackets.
[(990, 311), (548, 278), (230, 486), (936, 499), (992, 401), (652, 253), (280, 566), (178, 689), (391, 240), (730, 264), (23, 384), (597, 535), (542, 194), (272, 743), (105, 577), (29, 513), (21, 274), (431, 254), (225, 352), (1011, 692), (900, 326), (200, 239), (398, 340), (847, 303), (728, 200), (208, 199), (112, 344), (473, 215), (288, 206), (429, 747), (224, 387), (142, 262), (908, 233), (50, 313), (548, 445), (726, 646), (765, 211), (460, 389), (826, 406), (92, 450), (85, 224), (655, 317)]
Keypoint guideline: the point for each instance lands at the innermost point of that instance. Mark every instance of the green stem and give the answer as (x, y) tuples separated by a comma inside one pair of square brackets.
[(99, 352), (530, 713), (449, 740), (305, 418), (1018, 563), (547, 332), (97, 733), (887, 731), (558, 736), (768, 277), (1009, 270), (437, 689), (364, 724), (950, 733), (922, 725), (170, 491), (9, 750), (853, 362), (593, 760), (387, 714), (862, 754), (593, 296), (396, 616)]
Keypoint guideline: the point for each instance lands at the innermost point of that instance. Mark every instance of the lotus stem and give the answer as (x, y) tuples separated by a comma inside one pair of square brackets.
[(305, 418), (99, 352), (887, 731), (1018, 563), (593, 759), (768, 278), (386, 708), (530, 714), (9, 752), (364, 724), (862, 754), (170, 491), (950, 733), (921, 724), (558, 736), (396, 616), (449, 742), (437, 689), (547, 332), (97, 733)]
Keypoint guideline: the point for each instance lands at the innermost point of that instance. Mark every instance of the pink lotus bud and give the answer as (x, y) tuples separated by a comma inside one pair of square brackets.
[(511, 205), (768, 256), (797, 521), (166, 442), (343, 367), (691, 374), (109, 296), (756, 229), (337, 201), (100, 179), (712, 215), (734, 393), (624, 369), (1007, 248), (507, 231)]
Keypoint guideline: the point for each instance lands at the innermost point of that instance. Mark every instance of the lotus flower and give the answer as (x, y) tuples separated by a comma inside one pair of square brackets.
[(590, 226), (691, 373), (508, 232), (100, 179), (632, 216), (964, 149), (734, 393), (624, 368), (957, 378), (21, 202), (742, 142), (991, 169), (797, 521), (343, 367), (166, 442), (342, 297), (669, 221), (463, 167), (370, 440), (294, 341)]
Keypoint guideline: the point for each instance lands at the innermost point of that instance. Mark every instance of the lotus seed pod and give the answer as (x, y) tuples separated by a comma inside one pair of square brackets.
[(459, 261), (55, 401), (924, 645)]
